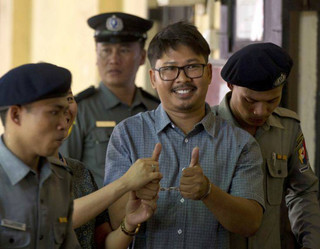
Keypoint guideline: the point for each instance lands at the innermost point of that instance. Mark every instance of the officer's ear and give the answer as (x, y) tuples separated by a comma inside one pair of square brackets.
[(230, 86), (152, 78), (14, 114)]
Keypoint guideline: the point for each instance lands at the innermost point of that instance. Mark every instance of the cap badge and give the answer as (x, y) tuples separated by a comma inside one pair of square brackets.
[(280, 80), (114, 23)]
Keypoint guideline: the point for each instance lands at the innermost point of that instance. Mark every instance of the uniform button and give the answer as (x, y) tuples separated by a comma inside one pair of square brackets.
[(279, 171), (172, 125), (179, 231), (11, 240), (186, 140), (41, 201), (41, 237), (182, 200)]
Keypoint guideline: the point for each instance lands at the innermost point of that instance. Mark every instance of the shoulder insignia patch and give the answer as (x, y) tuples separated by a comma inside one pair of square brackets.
[(301, 149), (85, 94)]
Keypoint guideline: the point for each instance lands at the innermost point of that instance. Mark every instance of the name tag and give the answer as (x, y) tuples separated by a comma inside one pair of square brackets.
[(106, 123), (63, 219), (13, 224)]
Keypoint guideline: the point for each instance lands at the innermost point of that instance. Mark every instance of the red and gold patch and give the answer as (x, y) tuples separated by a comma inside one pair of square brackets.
[(301, 149)]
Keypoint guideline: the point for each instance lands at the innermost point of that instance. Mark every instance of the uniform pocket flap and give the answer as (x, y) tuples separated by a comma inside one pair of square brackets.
[(12, 238), (277, 168)]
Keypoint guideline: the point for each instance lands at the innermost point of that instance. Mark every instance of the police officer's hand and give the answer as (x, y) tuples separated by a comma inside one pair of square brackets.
[(151, 189), (193, 183), (143, 171), (138, 211)]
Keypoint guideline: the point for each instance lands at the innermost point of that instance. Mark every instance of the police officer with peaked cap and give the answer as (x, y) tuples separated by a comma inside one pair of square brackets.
[(120, 40), (36, 202), (256, 75)]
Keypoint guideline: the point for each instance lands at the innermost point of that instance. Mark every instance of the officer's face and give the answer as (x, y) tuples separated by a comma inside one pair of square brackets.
[(182, 94), (43, 125), (118, 63), (252, 108)]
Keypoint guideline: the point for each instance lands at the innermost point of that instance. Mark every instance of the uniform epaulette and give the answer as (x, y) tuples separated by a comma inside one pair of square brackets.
[(85, 94), (149, 96), (286, 113)]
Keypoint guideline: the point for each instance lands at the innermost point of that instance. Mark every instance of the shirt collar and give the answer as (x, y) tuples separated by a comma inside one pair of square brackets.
[(57, 162), (208, 122), (225, 113), (162, 119), (110, 100), (16, 169)]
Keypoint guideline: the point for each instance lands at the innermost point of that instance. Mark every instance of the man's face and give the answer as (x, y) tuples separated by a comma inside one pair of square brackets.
[(182, 94), (118, 63), (252, 108), (43, 125)]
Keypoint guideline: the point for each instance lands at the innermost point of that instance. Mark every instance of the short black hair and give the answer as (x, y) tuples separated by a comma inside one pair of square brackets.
[(3, 115), (180, 33)]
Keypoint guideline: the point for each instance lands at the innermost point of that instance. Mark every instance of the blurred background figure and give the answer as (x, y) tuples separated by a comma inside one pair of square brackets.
[(120, 40)]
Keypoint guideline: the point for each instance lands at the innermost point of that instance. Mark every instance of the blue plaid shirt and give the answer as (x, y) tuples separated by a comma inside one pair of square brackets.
[(229, 157)]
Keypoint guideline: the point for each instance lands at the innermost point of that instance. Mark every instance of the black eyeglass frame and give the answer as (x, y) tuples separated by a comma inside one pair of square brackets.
[(179, 69)]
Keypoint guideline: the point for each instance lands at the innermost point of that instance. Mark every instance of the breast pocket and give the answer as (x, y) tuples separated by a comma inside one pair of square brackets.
[(277, 172), (11, 238), (59, 233), (101, 138)]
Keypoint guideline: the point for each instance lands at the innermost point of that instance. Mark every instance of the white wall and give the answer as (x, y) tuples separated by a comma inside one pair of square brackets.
[(307, 82), (60, 35), (5, 38)]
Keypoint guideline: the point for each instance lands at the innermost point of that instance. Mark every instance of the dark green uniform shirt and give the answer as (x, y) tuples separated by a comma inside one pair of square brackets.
[(97, 116), (286, 172)]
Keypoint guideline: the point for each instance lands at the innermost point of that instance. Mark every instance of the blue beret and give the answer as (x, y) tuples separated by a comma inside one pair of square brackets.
[(32, 82), (259, 66), (116, 27)]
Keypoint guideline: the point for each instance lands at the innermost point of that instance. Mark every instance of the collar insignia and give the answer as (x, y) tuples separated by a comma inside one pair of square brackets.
[(114, 23), (280, 80)]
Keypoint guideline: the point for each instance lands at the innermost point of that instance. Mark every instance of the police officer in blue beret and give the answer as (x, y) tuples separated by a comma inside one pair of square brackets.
[(256, 75), (36, 202), (120, 40)]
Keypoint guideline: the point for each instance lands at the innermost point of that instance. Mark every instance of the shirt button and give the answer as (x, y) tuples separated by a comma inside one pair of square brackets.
[(41, 237), (179, 231), (11, 240), (172, 125), (186, 140), (182, 200), (41, 201)]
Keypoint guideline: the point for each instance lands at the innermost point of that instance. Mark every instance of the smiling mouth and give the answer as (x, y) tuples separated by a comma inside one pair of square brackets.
[(184, 90)]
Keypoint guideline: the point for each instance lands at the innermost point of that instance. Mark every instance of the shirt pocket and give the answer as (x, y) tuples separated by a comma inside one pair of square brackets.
[(59, 233), (101, 138), (12, 238), (277, 172)]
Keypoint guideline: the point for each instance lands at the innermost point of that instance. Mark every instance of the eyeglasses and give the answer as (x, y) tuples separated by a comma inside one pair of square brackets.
[(170, 73)]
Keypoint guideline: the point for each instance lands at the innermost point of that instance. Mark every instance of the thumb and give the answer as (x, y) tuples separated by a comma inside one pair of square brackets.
[(194, 157), (132, 196), (156, 152)]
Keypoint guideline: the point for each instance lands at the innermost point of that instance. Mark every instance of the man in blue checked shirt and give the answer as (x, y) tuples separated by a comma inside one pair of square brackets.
[(206, 163)]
